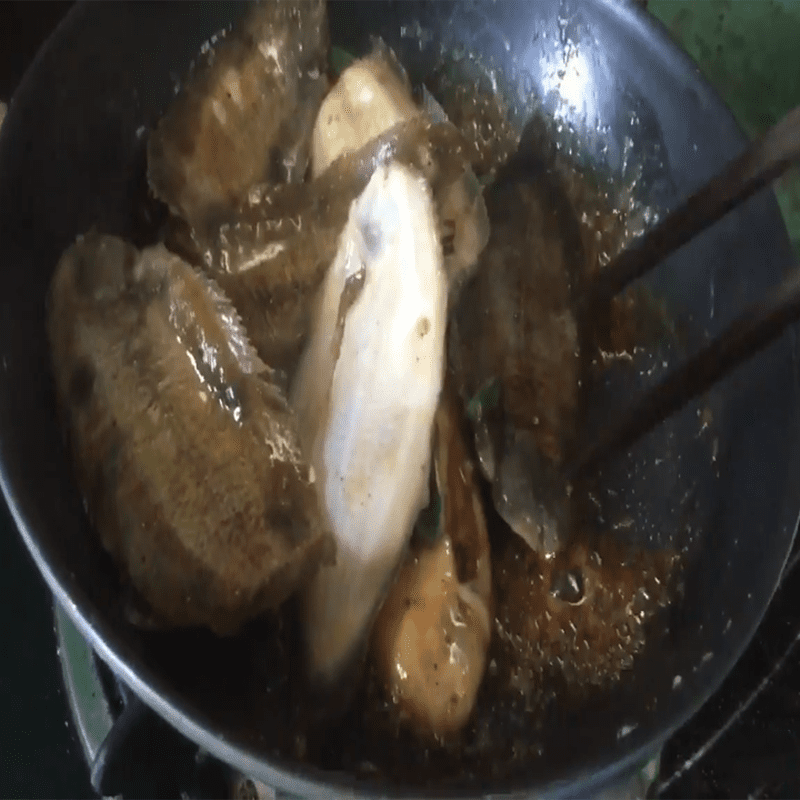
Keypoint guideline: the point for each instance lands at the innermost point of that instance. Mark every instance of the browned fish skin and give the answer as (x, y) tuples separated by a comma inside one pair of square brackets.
[(462, 513), (515, 320), (186, 454), (277, 218), (246, 112), (272, 255)]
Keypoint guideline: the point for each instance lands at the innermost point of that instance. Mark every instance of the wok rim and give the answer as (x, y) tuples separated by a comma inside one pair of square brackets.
[(281, 773)]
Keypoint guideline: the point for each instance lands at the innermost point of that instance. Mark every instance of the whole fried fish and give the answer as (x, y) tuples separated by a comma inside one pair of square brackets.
[(186, 453)]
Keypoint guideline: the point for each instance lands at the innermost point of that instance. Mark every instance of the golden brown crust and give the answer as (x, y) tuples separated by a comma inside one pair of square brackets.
[(246, 111), (190, 468)]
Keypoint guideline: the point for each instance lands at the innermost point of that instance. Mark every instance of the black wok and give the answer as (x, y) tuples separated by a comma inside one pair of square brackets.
[(71, 153)]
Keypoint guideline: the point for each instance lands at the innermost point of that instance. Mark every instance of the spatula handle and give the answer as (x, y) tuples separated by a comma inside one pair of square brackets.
[(757, 167), (757, 327)]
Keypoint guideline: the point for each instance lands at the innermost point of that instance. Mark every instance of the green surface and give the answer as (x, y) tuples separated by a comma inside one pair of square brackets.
[(750, 52), (340, 59)]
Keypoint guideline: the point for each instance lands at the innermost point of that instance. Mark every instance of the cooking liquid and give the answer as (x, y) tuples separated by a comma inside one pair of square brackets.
[(564, 628)]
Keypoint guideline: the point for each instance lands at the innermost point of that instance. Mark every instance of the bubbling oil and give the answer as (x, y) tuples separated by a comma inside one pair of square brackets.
[(581, 616), (564, 628)]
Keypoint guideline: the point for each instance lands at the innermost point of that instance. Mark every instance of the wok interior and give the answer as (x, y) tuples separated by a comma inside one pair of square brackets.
[(72, 153)]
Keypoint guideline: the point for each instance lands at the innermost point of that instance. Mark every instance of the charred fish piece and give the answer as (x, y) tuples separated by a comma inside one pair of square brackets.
[(187, 455), (515, 351), (271, 259), (245, 113), (276, 218)]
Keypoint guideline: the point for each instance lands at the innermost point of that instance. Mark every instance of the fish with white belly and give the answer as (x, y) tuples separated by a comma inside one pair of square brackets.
[(371, 96), (366, 394)]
